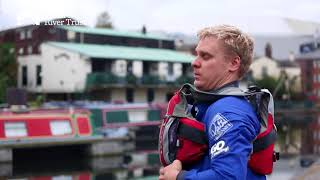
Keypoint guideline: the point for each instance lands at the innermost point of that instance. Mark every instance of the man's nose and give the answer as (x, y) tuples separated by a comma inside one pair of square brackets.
[(195, 62)]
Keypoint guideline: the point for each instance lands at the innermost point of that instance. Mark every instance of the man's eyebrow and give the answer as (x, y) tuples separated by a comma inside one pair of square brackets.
[(203, 52)]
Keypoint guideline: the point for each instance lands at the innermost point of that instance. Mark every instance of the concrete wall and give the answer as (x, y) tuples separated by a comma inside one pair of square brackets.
[(271, 66), (64, 71), (137, 68), (5, 155), (119, 67), (164, 71)]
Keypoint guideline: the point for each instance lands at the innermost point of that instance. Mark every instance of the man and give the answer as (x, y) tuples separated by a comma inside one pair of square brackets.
[(224, 55)]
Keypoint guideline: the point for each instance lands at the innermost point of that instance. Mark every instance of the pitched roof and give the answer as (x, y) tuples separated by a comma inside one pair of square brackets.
[(112, 32), (125, 52), (310, 55)]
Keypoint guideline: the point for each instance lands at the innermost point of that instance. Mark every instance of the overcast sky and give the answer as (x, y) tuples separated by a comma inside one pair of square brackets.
[(185, 16)]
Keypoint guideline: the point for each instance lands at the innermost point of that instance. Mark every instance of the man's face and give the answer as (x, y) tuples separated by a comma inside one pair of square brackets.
[(210, 67)]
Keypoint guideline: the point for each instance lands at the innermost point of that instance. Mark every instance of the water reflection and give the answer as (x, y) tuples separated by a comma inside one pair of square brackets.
[(44, 164), (63, 164)]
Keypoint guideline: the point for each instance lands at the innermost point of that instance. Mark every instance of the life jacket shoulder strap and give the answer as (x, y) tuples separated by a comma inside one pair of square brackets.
[(192, 134), (265, 141)]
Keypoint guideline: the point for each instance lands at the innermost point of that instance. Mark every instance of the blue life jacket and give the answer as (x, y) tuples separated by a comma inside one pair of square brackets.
[(231, 126)]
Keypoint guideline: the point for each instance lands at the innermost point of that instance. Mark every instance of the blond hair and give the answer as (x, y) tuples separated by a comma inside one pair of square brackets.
[(235, 41)]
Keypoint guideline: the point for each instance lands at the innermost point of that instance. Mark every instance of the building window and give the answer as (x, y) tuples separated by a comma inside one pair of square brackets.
[(29, 34), (130, 94), (29, 49), (129, 67), (24, 76), (150, 95), (170, 68), (22, 35), (39, 75), (154, 68)]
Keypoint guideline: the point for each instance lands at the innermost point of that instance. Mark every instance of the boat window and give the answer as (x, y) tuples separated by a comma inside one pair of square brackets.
[(60, 127), (15, 129), (137, 116)]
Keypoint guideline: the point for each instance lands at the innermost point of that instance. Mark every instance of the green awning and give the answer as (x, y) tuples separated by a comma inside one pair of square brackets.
[(112, 32), (125, 52)]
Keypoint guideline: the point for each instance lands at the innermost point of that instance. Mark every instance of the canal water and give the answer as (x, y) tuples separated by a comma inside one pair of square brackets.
[(71, 163)]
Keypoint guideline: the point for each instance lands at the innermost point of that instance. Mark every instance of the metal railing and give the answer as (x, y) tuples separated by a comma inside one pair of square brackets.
[(103, 79)]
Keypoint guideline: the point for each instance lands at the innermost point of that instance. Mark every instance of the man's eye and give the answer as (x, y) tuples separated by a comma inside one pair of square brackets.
[(206, 56)]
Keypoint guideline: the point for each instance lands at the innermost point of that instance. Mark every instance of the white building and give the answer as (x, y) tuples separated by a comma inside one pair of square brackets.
[(69, 68), (265, 66)]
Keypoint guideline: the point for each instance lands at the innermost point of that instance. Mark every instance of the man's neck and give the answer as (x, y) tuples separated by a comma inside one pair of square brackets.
[(234, 83)]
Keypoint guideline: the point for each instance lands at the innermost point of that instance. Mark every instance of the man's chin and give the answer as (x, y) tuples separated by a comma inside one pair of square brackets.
[(197, 85)]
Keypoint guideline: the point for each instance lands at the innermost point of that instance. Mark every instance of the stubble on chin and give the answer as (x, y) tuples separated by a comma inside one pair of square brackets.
[(197, 85)]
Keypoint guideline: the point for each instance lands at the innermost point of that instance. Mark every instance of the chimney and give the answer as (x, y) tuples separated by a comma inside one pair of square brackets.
[(291, 56), (268, 50), (144, 30)]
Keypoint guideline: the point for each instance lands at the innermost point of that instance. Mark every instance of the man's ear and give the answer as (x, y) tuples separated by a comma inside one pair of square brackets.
[(234, 63)]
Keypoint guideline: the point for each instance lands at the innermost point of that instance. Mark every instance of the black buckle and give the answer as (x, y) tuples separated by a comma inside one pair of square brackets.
[(254, 88), (276, 156)]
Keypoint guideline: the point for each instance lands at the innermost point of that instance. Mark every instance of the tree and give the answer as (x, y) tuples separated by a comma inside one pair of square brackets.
[(104, 21), (270, 83), (282, 88), (8, 69)]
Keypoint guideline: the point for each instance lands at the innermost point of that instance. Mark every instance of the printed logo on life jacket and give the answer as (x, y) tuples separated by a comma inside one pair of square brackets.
[(218, 148), (219, 126), (196, 109)]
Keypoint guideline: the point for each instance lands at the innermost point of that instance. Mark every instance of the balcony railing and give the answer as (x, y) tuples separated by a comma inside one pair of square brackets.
[(151, 80), (100, 79), (103, 79), (184, 79), (293, 104)]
